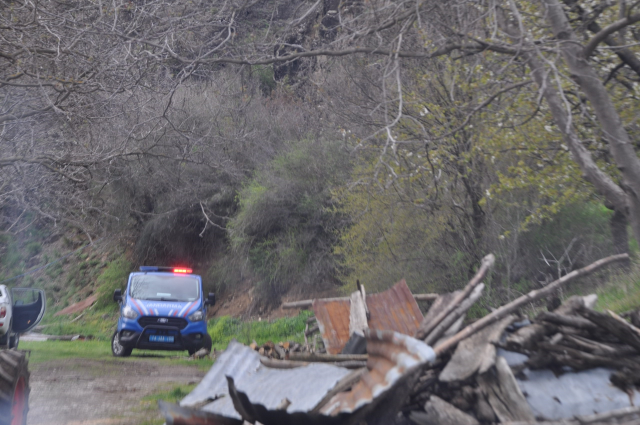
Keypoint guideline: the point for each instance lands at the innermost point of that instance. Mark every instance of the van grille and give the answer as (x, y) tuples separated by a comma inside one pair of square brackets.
[(178, 322)]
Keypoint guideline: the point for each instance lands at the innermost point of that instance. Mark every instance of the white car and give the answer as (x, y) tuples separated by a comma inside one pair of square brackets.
[(21, 309), (5, 314)]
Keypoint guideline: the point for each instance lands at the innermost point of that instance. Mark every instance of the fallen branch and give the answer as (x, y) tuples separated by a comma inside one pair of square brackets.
[(427, 327), (293, 364), (525, 299), (456, 314), (311, 331), (626, 332), (315, 357), (562, 320), (309, 303)]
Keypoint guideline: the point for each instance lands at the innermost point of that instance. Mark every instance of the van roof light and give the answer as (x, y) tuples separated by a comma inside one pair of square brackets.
[(184, 270)]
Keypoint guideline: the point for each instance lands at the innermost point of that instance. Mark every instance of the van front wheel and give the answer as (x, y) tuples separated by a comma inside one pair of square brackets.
[(117, 349), (207, 343)]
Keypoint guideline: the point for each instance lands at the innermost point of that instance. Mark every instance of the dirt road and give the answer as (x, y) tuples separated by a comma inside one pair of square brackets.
[(103, 391)]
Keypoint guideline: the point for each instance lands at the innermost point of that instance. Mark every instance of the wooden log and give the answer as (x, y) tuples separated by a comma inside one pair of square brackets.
[(308, 303), (293, 364), (476, 353), (581, 360), (439, 305), (454, 316), (571, 321), (280, 351), (315, 357), (312, 330), (599, 348), (503, 394), (613, 323), (426, 327), (357, 314), (425, 297), (525, 299), (527, 337), (439, 412)]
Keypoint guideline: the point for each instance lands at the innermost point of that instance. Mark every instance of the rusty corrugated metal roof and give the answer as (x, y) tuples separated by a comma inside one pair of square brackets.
[(333, 321), (393, 358), (392, 310), (304, 387)]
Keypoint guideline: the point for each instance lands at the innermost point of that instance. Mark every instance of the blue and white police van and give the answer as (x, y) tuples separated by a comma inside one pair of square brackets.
[(163, 308)]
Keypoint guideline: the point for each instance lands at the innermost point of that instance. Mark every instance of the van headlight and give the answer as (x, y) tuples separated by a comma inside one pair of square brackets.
[(197, 316), (129, 313)]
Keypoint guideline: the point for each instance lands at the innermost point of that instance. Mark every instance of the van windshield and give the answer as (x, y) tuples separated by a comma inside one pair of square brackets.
[(164, 288)]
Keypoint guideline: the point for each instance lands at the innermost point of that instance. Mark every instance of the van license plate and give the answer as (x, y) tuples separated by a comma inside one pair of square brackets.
[(160, 338)]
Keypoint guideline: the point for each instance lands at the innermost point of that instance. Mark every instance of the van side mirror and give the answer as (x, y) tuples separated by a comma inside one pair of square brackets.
[(117, 295), (211, 299)]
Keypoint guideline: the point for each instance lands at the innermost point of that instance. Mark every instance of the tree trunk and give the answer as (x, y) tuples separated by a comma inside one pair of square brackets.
[(619, 233), (620, 144)]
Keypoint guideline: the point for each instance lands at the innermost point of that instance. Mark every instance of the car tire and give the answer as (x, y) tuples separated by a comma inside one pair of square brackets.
[(5, 342), (14, 387), (14, 340), (207, 343), (117, 349)]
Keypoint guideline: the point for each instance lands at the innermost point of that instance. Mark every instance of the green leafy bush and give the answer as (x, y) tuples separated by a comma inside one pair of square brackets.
[(224, 329), (113, 277), (285, 225)]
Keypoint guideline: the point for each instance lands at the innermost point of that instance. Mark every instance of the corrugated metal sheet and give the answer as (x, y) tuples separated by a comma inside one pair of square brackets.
[(393, 358), (392, 310), (333, 322), (178, 415), (237, 360), (395, 310), (304, 387)]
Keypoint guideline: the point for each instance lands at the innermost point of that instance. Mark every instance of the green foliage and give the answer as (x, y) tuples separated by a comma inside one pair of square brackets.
[(95, 324), (113, 277), (224, 329), (622, 291), (267, 82), (33, 248), (284, 224)]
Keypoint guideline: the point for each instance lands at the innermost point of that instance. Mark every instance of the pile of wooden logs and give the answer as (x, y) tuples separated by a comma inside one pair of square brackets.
[(289, 355), (469, 383), (474, 385)]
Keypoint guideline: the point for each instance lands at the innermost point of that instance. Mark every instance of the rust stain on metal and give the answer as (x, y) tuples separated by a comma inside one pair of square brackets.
[(392, 310), (333, 321), (392, 358), (393, 361)]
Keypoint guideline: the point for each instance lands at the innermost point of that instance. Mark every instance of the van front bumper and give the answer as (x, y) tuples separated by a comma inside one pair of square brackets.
[(141, 340)]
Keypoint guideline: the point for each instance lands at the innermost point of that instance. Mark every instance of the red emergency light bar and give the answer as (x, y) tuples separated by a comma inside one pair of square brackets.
[(182, 270), (166, 269)]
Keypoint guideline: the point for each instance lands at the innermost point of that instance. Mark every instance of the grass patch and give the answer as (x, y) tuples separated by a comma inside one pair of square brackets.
[(95, 324), (622, 292), (224, 329), (44, 351), (170, 393)]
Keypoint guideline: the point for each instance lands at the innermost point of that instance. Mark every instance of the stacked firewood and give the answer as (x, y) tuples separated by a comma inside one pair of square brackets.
[(287, 349), (474, 385), (576, 336)]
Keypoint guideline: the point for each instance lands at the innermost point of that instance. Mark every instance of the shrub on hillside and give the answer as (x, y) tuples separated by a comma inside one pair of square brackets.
[(284, 224), (113, 277)]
